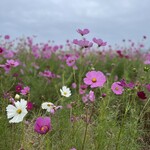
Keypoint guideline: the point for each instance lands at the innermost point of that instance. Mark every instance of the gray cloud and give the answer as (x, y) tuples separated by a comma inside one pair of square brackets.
[(58, 19)]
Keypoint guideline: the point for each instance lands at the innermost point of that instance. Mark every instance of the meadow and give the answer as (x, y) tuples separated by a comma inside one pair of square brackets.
[(84, 95)]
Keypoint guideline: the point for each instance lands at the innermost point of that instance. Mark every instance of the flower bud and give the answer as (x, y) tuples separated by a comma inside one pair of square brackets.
[(17, 96)]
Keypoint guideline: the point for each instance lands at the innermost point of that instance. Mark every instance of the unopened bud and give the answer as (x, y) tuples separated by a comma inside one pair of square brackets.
[(134, 69), (17, 96), (146, 69)]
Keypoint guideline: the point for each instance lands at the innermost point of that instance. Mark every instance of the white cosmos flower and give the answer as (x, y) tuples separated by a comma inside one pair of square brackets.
[(17, 111), (65, 91), (48, 106)]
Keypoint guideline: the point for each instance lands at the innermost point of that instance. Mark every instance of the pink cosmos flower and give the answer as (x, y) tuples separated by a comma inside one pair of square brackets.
[(148, 87), (89, 97), (73, 148), (7, 68), (95, 79), (147, 62), (85, 98), (75, 41), (130, 85), (82, 89), (47, 74), (25, 90), (9, 54), (83, 32), (12, 63), (74, 85), (7, 37), (147, 59), (42, 125), (71, 61), (117, 88), (99, 42), (83, 43), (12, 100)]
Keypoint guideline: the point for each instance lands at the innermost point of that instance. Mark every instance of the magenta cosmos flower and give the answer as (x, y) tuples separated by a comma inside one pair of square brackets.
[(117, 88), (95, 79), (29, 106), (42, 125), (1, 50), (18, 88), (141, 95)]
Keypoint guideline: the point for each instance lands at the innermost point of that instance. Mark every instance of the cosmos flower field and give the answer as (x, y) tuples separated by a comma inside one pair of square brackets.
[(84, 95)]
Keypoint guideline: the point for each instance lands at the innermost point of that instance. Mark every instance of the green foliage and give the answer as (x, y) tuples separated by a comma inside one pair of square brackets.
[(115, 122)]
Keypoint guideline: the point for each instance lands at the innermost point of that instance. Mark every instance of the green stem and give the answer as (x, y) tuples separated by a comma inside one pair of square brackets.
[(143, 108), (122, 125), (87, 123), (85, 133)]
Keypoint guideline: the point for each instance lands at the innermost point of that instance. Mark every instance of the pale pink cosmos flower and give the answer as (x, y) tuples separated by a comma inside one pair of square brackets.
[(9, 54), (71, 60), (117, 88), (89, 97), (85, 98), (12, 63), (6, 67), (99, 42), (25, 90), (47, 74), (82, 89), (83, 43), (73, 148), (95, 79), (74, 85), (147, 62), (148, 87), (83, 32)]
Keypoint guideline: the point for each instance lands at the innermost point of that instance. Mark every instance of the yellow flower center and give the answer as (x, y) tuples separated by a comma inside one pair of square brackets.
[(48, 105), (94, 80), (44, 128), (65, 93), (116, 88), (19, 111)]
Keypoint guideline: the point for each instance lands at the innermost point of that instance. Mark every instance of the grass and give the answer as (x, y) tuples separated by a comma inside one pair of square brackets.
[(114, 122)]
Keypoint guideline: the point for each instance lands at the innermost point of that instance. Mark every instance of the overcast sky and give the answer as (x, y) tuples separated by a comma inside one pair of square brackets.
[(111, 20)]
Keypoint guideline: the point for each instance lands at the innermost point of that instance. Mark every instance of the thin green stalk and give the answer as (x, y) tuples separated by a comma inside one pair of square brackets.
[(85, 133), (143, 108), (122, 125)]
